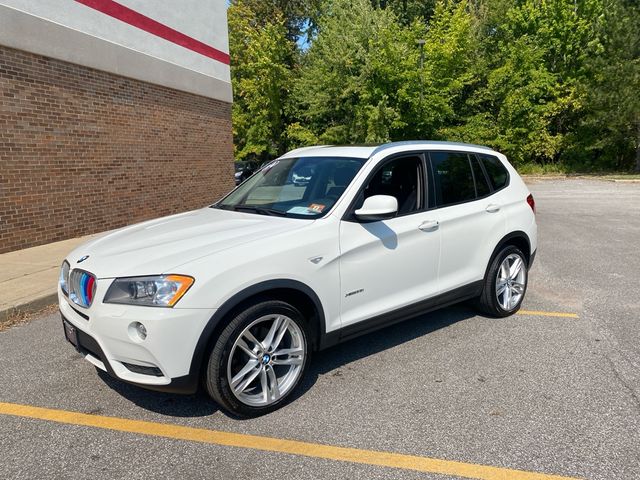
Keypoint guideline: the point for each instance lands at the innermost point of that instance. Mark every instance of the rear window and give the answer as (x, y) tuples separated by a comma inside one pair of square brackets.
[(497, 172), (452, 177)]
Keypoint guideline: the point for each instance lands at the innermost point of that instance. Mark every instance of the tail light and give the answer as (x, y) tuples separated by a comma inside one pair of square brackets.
[(532, 203)]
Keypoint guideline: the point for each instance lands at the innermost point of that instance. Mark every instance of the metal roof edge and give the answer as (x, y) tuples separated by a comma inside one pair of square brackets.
[(303, 149), (386, 146)]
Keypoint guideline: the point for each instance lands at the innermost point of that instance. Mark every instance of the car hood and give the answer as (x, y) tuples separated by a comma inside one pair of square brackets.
[(158, 246)]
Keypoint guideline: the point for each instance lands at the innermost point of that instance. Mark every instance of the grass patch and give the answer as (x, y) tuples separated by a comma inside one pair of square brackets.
[(538, 169), (552, 169)]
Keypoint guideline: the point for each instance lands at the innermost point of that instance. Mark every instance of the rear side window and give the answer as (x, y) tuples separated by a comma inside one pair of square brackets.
[(482, 187), (452, 177), (496, 170)]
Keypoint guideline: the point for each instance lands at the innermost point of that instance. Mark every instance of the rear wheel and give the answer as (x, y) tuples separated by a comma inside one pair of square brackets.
[(505, 283), (258, 359)]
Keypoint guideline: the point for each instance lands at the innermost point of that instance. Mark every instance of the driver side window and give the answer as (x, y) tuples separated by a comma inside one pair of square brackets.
[(401, 178)]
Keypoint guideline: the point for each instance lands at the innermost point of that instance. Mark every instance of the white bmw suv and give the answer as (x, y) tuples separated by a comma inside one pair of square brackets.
[(238, 295)]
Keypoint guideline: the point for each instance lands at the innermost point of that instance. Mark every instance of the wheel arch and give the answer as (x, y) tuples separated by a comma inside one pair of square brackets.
[(518, 239), (487, 301), (297, 293)]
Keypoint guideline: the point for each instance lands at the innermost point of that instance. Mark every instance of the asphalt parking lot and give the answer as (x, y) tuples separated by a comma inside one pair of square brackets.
[(555, 392)]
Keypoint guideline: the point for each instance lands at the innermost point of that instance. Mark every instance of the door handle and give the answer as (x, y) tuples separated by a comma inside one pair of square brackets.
[(429, 225), (492, 208)]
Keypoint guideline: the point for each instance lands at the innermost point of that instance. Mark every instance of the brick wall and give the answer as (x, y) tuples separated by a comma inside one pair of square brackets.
[(83, 151)]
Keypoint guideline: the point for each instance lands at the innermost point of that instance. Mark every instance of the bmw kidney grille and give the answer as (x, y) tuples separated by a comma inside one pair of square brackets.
[(82, 287)]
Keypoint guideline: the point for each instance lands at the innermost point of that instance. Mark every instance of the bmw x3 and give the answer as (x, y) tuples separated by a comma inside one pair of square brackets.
[(236, 297)]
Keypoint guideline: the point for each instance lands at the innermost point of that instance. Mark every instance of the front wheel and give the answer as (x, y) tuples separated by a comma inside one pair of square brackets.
[(505, 283), (258, 359)]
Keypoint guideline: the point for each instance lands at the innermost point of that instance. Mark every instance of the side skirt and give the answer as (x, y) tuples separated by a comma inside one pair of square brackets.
[(457, 295)]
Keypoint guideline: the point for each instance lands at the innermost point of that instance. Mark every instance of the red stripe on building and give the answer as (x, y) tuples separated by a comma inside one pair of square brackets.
[(127, 15)]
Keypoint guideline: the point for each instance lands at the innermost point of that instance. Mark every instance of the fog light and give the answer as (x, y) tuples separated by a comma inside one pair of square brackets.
[(142, 331), (137, 331)]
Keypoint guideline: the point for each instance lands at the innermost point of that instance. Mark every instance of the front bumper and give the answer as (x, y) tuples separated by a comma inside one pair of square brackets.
[(162, 361)]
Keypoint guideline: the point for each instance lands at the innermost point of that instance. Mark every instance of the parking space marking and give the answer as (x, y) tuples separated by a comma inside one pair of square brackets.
[(291, 447), (547, 314)]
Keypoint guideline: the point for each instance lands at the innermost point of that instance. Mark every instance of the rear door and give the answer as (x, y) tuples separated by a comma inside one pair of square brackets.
[(470, 215)]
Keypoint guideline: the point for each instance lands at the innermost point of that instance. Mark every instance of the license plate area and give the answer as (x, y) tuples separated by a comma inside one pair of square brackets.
[(70, 333)]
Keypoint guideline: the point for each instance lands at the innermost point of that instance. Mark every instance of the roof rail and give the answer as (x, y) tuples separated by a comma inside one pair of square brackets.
[(385, 146)]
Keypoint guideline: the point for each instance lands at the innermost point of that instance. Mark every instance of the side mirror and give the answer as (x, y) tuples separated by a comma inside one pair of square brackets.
[(377, 207)]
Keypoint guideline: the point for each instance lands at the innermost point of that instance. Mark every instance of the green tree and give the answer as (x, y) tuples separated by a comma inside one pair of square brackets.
[(299, 16), (361, 79), (408, 10), (261, 74), (547, 81), (530, 62), (608, 134), (328, 95)]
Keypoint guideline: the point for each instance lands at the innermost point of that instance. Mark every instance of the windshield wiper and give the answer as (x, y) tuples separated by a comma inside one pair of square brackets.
[(260, 210)]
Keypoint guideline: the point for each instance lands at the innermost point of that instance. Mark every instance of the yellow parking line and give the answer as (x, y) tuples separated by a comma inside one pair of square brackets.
[(547, 314), (292, 447)]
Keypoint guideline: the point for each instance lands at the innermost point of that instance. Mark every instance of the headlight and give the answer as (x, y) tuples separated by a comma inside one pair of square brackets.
[(64, 278), (158, 291)]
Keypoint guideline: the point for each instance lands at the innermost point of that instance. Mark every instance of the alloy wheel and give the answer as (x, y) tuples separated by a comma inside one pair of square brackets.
[(510, 282), (266, 360)]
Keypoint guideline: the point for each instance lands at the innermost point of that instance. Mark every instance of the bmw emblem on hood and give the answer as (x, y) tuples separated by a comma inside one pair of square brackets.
[(82, 259)]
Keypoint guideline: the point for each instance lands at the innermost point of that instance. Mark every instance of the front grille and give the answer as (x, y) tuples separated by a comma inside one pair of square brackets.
[(82, 287)]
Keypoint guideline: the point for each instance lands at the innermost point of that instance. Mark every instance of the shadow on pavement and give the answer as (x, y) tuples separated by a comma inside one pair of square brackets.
[(361, 347), (200, 405), (170, 404)]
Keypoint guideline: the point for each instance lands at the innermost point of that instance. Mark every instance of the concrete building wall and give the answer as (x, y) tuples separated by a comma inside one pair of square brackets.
[(110, 113)]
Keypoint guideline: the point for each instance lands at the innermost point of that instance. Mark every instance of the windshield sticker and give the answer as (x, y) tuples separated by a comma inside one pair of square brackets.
[(302, 211), (316, 207)]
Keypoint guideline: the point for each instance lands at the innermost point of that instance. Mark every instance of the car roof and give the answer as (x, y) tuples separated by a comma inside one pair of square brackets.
[(353, 151), (366, 151)]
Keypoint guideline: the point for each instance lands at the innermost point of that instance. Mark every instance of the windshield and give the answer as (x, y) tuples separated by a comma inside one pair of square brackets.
[(305, 187)]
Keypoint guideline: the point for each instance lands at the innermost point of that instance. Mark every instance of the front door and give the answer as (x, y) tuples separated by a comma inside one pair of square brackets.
[(390, 264)]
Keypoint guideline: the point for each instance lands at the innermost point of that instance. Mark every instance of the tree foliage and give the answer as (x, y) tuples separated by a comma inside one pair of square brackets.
[(545, 81), (262, 58), (609, 131), (362, 79)]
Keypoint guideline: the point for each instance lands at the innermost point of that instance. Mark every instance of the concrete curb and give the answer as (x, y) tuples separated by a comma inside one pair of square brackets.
[(28, 307)]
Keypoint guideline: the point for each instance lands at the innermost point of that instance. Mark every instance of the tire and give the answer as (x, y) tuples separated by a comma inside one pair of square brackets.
[(491, 301), (245, 374)]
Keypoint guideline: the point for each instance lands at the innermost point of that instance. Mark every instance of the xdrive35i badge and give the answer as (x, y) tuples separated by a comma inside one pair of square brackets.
[(355, 292), (82, 259)]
